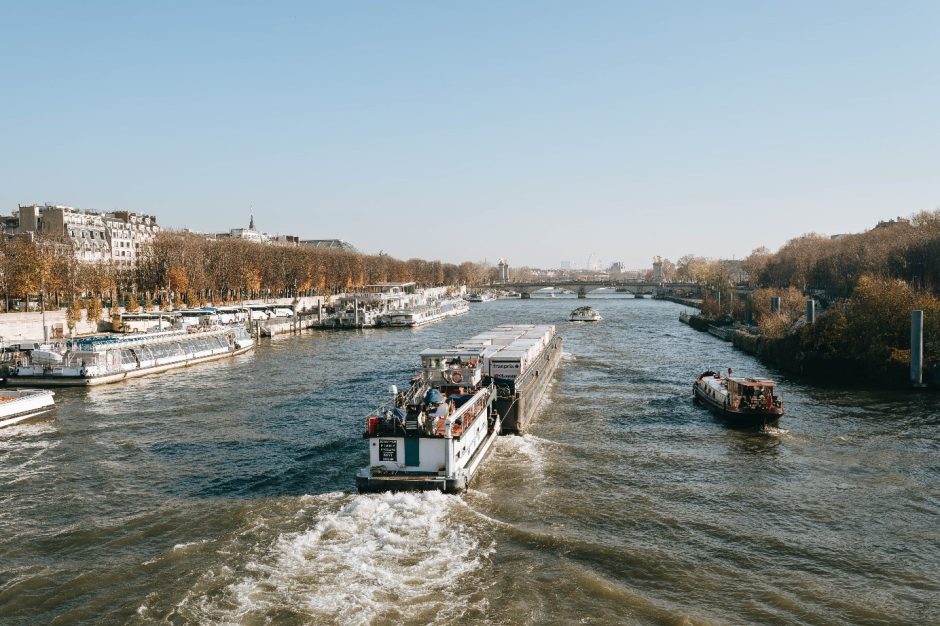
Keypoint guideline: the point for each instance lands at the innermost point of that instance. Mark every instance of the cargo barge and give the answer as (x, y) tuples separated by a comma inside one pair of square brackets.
[(520, 361), (435, 435), (112, 358)]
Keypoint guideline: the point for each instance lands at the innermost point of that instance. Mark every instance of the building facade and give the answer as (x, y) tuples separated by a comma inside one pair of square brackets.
[(120, 238)]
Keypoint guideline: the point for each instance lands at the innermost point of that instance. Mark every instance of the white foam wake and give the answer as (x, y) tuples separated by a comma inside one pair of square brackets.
[(524, 450), (379, 557)]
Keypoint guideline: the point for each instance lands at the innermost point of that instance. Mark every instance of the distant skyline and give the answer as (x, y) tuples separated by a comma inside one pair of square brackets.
[(539, 132)]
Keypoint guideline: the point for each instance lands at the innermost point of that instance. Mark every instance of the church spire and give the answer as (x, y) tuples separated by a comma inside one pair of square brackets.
[(251, 224)]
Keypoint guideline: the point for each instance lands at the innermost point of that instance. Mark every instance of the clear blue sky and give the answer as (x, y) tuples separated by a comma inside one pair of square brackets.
[(538, 131)]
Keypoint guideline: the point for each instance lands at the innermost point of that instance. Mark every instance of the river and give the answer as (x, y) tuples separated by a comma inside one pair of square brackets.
[(224, 493)]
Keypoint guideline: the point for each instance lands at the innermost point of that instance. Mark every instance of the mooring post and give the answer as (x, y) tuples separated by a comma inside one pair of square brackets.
[(810, 311), (917, 348), (775, 304)]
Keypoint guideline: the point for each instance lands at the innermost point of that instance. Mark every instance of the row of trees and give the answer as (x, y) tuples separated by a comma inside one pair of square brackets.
[(907, 250), (186, 267), (869, 283)]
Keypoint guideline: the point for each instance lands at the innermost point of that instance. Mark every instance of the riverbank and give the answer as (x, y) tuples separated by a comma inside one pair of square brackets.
[(27, 327), (799, 353)]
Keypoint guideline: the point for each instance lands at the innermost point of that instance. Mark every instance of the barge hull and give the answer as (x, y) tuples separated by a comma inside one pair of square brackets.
[(518, 410)]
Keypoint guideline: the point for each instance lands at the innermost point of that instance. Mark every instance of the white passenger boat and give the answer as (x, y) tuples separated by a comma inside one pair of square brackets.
[(17, 405), (423, 315), (435, 435), (111, 358), (584, 314), (373, 305)]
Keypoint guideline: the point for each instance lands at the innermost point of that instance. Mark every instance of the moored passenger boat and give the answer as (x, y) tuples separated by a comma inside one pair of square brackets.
[(112, 358), (372, 306), (425, 314), (740, 401), (17, 405), (435, 435)]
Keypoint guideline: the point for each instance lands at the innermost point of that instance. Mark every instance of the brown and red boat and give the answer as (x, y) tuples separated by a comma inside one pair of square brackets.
[(740, 401)]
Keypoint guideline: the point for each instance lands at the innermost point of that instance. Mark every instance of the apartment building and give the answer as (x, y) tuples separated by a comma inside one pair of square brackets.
[(120, 237)]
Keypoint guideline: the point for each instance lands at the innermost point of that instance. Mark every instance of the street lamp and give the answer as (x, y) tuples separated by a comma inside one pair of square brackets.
[(42, 308)]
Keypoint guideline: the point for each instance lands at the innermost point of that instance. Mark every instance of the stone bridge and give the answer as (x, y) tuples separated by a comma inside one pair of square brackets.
[(639, 288)]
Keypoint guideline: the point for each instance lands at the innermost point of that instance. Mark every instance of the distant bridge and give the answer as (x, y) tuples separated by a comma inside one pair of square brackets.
[(583, 288)]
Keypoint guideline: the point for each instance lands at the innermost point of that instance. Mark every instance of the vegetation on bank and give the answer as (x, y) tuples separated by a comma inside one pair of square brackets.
[(866, 286), (185, 268)]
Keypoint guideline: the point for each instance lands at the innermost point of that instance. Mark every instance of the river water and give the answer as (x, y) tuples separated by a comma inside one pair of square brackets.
[(225, 494)]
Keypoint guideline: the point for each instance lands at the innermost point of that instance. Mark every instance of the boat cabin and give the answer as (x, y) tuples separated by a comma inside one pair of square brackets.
[(452, 368), (751, 392)]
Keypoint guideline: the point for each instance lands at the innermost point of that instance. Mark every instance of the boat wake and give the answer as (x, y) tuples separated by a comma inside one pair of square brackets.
[(24, 459), (384, 557), (526, 450)]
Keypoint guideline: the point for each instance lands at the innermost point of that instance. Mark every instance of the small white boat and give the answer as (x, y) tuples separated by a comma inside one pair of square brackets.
[(584, 314), (17, 405)]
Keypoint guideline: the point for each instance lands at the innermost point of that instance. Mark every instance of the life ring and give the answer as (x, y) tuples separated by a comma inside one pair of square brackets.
[(456, 377)]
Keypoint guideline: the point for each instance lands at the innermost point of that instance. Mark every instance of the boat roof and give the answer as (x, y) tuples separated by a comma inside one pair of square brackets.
[(103, 342), (453, 352), (753, 382), (149, 315)]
